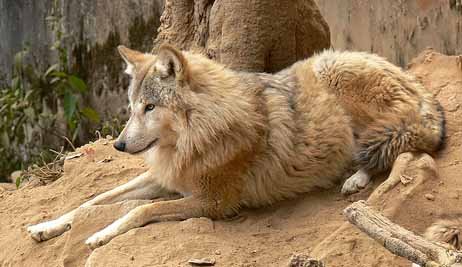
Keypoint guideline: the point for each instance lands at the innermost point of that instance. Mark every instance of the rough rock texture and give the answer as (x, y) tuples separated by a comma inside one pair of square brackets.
[(311, 225), (92, 30), (397, 30), (247, 35)]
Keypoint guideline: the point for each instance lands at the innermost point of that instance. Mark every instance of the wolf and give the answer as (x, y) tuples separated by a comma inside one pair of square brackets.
[(447, 232), (225, 139)]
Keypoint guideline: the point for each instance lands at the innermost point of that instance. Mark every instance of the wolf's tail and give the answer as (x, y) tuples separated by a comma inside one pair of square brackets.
[(383, 141)]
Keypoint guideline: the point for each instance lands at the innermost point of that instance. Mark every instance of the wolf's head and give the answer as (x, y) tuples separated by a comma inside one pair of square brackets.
[(187, 109), (154, 102)]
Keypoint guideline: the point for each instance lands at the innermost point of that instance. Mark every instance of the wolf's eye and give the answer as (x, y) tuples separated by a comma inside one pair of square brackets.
[(149, 107)]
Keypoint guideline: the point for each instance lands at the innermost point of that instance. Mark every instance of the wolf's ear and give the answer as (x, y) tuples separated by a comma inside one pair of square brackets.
[(171, 61), (131, 57)]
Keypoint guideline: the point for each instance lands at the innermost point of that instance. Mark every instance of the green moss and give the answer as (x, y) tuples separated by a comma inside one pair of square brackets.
[(141, 34), (102, 67), (102, 61)]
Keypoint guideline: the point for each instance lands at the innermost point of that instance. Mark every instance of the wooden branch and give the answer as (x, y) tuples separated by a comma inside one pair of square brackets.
[(400, 241)]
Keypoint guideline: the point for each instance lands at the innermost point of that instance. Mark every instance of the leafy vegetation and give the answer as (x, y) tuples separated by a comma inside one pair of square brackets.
[(42, 109), (38, 110)]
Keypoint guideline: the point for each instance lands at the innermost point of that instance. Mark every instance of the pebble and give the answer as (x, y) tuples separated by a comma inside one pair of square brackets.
[(202, 262), (430, 197), (453, 195), (304, 260)]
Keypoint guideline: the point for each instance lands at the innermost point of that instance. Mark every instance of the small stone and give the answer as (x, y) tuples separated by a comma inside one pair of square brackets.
[(73, 156), (217, 252), (106, 160), (304, 261), (453, 195), (109, 137), (406, 179), (430, 197), (202, 262)]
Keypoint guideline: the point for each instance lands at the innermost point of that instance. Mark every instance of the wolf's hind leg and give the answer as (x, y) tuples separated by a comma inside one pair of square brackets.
[(378, 147), (356, 182), (141, 187)]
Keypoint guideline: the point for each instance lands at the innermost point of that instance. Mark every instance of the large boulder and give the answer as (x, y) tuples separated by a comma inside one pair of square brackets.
[(247, 35)]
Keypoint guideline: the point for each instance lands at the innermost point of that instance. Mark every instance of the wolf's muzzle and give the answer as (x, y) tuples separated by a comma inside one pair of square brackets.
[(119, 146)]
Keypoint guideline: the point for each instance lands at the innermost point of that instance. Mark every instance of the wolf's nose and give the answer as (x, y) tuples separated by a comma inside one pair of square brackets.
[(119, 146)]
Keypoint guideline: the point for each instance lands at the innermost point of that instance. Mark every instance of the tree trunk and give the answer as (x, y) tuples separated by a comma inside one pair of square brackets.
[(257, 35)]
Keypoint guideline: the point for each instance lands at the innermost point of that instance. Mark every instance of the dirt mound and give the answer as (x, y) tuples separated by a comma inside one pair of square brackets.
[(312, 224)]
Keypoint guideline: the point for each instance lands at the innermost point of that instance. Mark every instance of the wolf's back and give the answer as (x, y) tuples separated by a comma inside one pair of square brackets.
[(391, 111)]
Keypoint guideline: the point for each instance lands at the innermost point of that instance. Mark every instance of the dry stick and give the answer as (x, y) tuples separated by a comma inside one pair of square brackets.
[(398, 240), (98, 134), (69, 141)]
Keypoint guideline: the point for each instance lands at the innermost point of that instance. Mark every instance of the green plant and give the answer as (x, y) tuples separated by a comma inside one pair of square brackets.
[(112, 127), (33, 107), (69, 86), (39, 109)]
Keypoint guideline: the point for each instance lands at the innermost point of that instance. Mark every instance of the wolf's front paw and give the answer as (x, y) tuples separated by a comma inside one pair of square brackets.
[(356, 182), (95, 241), (100, 238), (47, 230)]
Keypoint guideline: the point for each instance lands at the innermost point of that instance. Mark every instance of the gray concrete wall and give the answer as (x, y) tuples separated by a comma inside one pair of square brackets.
[(396, 29), (23, 22), (93, 30)]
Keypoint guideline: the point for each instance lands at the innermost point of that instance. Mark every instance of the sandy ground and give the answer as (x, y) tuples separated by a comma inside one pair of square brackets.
[(312, 224)]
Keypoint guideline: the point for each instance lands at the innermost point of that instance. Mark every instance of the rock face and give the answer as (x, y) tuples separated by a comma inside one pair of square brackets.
[(397, 30), (259, 237), (92, 31), (246, 35)]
